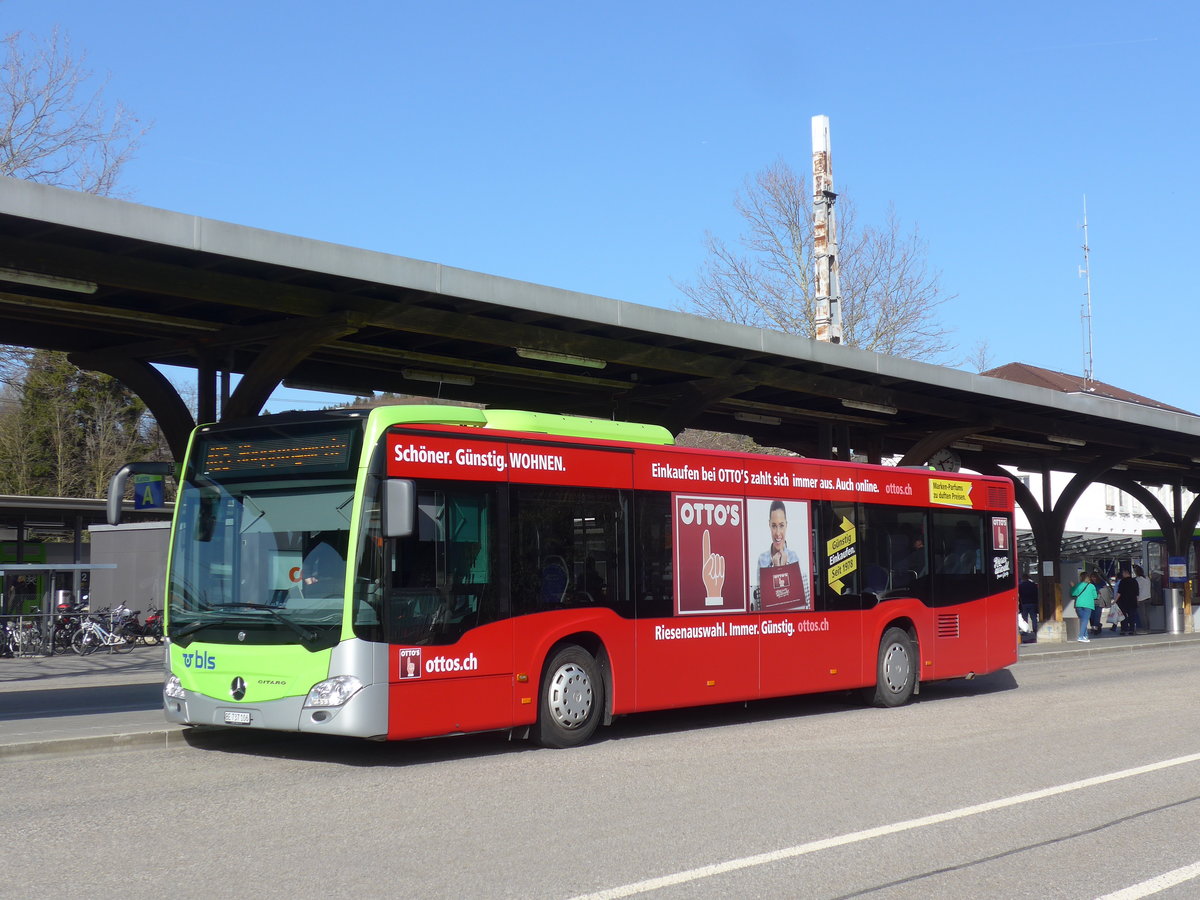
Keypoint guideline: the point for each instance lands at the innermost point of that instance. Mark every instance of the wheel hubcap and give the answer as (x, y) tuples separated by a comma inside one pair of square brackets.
[(570, 696), (896, 668)]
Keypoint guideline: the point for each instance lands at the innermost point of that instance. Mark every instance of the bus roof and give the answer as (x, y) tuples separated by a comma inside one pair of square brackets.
[(519, 420)]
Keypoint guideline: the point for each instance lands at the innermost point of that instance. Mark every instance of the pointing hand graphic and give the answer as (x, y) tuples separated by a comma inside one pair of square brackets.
[(713, 571)]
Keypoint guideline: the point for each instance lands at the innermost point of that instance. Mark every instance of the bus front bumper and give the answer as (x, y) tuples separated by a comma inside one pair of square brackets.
[(363, 715)]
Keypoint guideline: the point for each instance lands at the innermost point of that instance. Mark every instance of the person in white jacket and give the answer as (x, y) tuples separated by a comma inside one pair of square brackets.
[(1141, 621)]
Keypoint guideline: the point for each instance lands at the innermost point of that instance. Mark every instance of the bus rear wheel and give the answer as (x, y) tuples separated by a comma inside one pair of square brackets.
[(572, 698), (895, 670)]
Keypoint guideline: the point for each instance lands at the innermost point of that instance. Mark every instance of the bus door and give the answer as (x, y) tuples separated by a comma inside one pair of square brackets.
[(959, 586), (447, 616), (697, 637), (1001, 564), (569, 577), (797, 648), (819, 646)]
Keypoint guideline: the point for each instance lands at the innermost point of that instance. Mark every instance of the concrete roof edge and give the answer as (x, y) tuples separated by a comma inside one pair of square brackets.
[(123, 218)]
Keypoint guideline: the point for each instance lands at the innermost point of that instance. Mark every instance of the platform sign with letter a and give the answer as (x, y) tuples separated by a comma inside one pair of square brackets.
[(147, 491)]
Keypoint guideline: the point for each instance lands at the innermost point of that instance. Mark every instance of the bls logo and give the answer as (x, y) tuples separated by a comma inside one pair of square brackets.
[(199, 661)]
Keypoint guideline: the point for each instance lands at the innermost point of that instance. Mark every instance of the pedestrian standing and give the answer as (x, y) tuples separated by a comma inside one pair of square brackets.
[(1141, 621), (1027, 596), (1127, 594), (1085, 604), (1104, 599)]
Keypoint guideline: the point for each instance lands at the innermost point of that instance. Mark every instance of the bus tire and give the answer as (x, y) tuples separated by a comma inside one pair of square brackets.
[(572, 699), (895, 670)]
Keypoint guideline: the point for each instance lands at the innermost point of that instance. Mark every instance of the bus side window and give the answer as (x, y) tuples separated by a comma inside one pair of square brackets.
[(440, 581), (568, 548), (840, 572), (894, 558), (653, 585), (957, 553)]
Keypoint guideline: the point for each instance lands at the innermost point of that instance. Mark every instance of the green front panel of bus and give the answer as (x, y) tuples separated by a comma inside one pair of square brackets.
[(270, 673)]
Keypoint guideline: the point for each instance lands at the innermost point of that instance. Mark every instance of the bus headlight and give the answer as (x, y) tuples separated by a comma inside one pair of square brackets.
[(333, 691), (173, 689)]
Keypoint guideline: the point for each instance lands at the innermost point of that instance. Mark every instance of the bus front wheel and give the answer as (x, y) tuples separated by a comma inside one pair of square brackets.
[(895, 670), (572, 698)]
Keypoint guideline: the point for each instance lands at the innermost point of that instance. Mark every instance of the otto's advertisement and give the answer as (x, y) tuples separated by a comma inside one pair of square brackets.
[(415, 662), (779, 536), (734, 555), (710, 554), (462, 458)]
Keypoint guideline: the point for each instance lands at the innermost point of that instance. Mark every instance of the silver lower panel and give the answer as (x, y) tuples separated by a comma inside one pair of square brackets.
[(363, 715)]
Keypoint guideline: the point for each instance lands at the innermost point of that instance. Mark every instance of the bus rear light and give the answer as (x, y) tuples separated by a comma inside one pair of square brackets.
[(833, 671), (525, 701), (711, 683)]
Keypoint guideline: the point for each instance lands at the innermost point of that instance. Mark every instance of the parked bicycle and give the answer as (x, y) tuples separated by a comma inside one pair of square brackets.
[(92, 635), (67, 621)]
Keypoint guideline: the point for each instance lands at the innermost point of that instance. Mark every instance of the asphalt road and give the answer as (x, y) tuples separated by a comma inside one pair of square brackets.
[(973, 791)]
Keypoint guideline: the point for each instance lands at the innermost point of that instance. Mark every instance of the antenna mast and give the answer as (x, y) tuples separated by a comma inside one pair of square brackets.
[(828, 294), (1086, 313)]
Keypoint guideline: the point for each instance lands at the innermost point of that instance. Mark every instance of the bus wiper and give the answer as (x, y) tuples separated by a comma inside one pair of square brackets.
[(304, 633), (184, 630), (247, 499)]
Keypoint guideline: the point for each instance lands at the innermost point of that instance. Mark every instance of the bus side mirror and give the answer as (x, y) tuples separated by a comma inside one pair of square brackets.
[(399, 506)]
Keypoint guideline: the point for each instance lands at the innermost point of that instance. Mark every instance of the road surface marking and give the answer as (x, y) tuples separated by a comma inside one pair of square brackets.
[(854, 837), (1156, 884)]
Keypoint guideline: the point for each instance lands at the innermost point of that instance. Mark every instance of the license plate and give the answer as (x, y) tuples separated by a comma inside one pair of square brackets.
[(233, 717)]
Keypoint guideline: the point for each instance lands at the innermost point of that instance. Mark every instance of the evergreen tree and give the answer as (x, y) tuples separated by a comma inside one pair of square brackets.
[(64, 431)]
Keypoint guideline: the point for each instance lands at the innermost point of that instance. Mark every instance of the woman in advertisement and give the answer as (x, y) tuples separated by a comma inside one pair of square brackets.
[(782, 584), (779, 554)]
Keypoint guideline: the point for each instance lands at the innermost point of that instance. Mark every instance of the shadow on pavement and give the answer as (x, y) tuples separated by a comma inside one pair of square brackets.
[(356, 752), (80, 701)]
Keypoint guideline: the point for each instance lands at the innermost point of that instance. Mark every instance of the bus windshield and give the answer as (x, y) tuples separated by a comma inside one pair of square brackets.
[(260, 561)]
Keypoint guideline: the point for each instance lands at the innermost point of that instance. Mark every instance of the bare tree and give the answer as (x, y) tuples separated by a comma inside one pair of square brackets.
[(54, 126), (112, 437), (980, 358), (64, 431), (13, 362), (890, 298), (16, 476)]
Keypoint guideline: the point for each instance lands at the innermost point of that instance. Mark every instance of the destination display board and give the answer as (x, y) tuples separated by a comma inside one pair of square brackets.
[(320, 452)]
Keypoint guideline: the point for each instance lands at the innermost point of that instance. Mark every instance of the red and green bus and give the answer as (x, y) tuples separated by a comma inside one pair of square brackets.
[(411, 571)]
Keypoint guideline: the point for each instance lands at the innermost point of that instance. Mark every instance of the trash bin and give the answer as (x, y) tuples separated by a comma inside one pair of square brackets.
[(62, 597), (1173, 599)]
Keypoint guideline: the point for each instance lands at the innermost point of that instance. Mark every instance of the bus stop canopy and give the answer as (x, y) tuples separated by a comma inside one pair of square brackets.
[(122, 287)]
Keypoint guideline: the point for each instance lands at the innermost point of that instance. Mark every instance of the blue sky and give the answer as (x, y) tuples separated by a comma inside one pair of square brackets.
[(590, 147)]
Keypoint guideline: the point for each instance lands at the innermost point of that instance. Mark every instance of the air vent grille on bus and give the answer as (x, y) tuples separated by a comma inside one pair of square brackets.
[(947, 626), (997, 497)]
